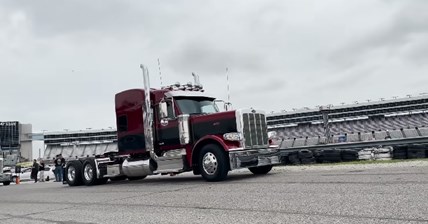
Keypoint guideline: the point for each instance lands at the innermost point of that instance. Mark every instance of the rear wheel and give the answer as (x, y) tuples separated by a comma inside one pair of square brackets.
[(213, 163), (73, 173), (260, 169), (89, 172), (6, 183)]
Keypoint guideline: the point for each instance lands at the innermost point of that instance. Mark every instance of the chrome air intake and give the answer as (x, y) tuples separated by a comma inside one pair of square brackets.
[(252, 124)]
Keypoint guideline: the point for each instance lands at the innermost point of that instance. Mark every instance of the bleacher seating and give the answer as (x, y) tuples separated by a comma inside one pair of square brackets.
[(367, 136), (372, 121), (423, 131), (299, 142), (380, 135), (287, 143), (353, 137), (368, 125), (312, 141), (410, 133), (395, 134)]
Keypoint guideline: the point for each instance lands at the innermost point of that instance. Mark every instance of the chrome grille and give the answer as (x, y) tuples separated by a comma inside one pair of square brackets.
[(255, 130)]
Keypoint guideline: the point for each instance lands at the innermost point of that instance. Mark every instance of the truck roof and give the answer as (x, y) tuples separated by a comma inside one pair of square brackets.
[(187, 94)]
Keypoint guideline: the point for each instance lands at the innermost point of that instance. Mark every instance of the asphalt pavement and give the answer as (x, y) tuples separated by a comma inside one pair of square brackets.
[(356, 194)]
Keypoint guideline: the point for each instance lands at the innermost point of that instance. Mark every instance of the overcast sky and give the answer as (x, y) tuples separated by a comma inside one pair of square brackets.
[(61, 62)]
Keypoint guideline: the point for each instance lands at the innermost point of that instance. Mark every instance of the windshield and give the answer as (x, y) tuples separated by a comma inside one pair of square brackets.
[(196, 105)]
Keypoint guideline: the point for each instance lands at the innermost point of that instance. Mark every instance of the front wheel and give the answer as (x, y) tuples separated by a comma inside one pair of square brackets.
[(213, 163), (260, 169), (6, 183)]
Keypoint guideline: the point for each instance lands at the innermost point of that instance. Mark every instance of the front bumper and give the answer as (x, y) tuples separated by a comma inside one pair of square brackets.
[(244, 158)]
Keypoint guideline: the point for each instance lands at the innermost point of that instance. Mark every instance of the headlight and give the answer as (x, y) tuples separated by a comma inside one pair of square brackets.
[(233, 136), (272, 134)]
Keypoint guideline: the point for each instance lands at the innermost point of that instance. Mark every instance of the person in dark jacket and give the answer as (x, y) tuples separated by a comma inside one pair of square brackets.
[(58, 169), (42, 171), (34, 170), (64, 180)]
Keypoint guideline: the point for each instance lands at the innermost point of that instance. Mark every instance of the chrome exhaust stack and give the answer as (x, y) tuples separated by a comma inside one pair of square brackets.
[(138, 168), (147, 114)]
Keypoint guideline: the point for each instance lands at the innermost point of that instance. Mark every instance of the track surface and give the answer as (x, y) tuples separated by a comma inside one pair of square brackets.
[(358, 194)]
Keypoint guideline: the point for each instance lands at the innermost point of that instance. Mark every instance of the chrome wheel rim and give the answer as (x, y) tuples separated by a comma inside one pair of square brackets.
[(209, 163), (71, 173), (88, 172)]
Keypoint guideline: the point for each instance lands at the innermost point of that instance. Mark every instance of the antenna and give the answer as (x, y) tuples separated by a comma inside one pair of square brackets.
[(160, 73), (228, 88), (196, 79)]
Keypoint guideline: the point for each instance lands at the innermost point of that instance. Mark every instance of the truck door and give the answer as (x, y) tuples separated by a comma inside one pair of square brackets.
[(167, 130)]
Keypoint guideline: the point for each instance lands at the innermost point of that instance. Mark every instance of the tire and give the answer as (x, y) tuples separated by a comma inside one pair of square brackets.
[(293, 158), (89, 172), (415, 153), (73, 173), (303, 154), (6, 183), (136, 178), (399, 156), (307, 161), (261, 170), (14, 179), (213, 163)]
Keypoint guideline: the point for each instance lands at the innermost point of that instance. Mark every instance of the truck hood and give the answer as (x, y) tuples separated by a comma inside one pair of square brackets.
[(212, 124)]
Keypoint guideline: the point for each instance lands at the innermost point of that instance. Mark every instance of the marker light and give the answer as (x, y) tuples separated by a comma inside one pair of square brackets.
[(233, 136)]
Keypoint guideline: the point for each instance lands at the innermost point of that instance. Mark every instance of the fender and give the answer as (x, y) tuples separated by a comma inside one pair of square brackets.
[(219, 139), (226, 145)]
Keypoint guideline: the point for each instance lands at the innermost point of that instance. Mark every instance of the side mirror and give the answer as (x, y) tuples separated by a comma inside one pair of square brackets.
[(222, 105), (163, 110), (228, 106)]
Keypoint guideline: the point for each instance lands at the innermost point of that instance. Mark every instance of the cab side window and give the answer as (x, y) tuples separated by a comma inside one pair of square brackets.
[(170, 108), (122, 123)]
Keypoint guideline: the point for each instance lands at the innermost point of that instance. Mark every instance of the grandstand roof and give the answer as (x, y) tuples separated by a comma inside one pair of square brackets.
[(335, 107)]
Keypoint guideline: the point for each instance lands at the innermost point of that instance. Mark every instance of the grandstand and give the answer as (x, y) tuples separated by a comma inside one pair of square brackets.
[(78, 144), (371, 121)]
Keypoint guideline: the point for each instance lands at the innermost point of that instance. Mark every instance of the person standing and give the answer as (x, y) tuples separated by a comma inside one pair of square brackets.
[(63, 170), (58, 169), (34, 170), (42, 171)]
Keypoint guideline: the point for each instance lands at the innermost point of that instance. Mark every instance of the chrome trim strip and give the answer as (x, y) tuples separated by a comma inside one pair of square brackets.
[(183, 128)]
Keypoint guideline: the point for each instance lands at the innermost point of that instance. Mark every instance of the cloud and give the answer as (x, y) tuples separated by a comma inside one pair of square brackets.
[(63, 62)]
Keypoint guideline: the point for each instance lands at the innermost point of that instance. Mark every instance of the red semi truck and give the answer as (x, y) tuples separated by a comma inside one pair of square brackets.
[(177, 129)]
